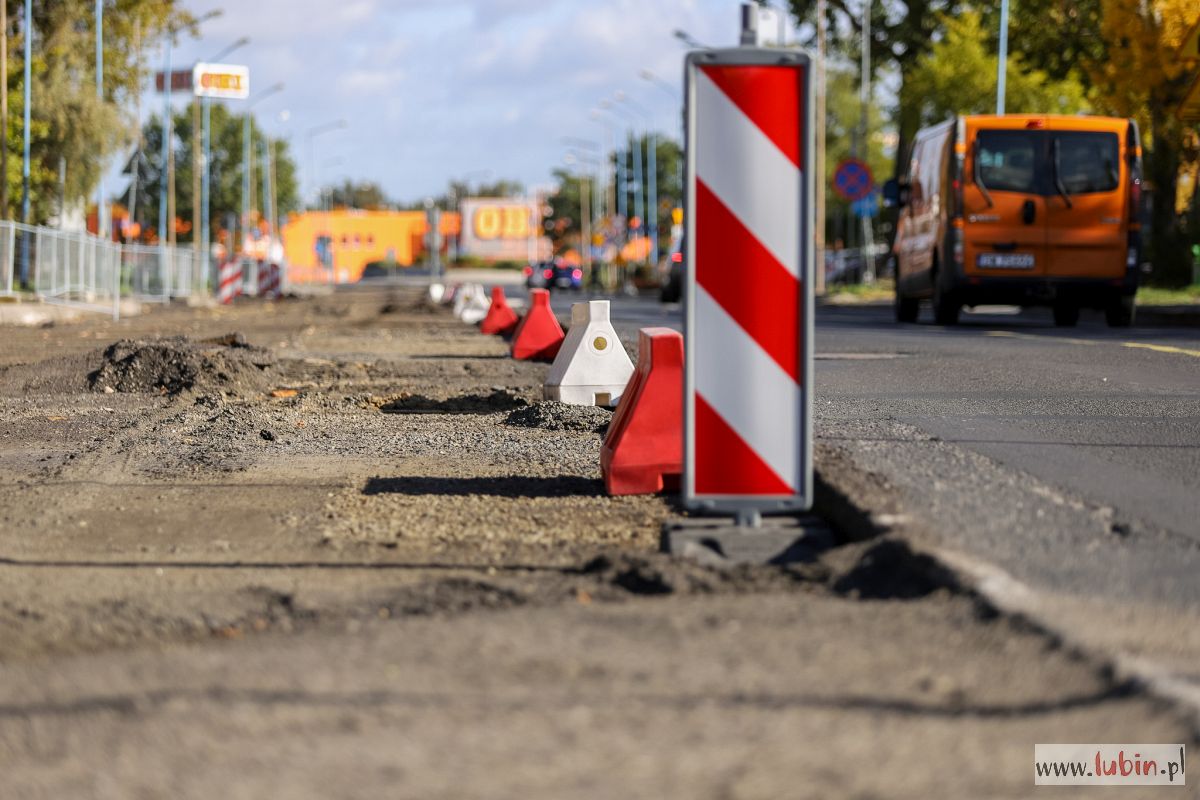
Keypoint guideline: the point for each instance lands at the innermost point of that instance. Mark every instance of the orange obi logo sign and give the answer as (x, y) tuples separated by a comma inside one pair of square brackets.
[(501, 222), (499, 227), (226, 81)]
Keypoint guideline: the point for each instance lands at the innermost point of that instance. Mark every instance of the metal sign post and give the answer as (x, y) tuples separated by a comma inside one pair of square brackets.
[(749, 255)]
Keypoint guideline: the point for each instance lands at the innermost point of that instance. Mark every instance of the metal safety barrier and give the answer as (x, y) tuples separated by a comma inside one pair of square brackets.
[(83, 271)]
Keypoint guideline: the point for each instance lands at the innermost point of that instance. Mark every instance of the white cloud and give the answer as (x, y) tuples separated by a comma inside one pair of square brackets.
[(437, 88)]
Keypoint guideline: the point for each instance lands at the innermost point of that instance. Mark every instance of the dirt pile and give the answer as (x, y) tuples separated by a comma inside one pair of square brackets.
[(178, 364), (550, 415), (499, 399)]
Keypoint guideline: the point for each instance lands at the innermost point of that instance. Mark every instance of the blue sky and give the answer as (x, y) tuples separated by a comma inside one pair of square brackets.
[(435, 89)]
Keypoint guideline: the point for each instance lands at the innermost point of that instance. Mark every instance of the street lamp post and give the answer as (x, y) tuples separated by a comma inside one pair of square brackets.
[(247, 153), (651, 185), (311, 135), (206, 181), (25, 145), (1002, 75), (638, 208), (100, 227)]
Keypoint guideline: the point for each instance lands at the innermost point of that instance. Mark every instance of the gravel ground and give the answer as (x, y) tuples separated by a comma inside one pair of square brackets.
[(341, 548)]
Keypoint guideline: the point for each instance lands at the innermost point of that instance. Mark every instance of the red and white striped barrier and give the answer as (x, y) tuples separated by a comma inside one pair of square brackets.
[(269, 285), (229, 282), (749, 327)]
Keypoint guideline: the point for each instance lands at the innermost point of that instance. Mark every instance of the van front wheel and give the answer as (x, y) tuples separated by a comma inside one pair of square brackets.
[(1119, 312)]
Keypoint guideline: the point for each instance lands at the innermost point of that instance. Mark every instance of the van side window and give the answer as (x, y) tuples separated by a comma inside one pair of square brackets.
[(1089, 162), (1008, 160)]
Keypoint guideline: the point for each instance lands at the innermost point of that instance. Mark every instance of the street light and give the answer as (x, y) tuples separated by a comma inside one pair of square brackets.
[(248, 153), (206, 187), (651, 185), (617, 193), (311, 134), (631, 118), (690, 40)]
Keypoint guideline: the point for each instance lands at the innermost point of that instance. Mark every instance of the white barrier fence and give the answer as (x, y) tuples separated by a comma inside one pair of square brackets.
[(86, 272)]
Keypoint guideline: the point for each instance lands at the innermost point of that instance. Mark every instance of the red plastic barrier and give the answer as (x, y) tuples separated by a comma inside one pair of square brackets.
[(643, 451), (538, 336), (501, 320)]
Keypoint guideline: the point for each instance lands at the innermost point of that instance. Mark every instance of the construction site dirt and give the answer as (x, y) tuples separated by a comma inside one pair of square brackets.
[(341, 547)]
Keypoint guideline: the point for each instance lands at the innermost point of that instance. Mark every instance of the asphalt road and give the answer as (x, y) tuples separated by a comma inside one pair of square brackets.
[(1068, 458)]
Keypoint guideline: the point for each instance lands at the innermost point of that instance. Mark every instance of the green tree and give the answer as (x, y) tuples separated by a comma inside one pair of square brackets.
[(843, 109), (73, 133), (958, 76), (227, 156), (901, 32)]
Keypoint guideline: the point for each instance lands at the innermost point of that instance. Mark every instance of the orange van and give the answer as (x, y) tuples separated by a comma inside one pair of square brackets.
[(1020, 210)]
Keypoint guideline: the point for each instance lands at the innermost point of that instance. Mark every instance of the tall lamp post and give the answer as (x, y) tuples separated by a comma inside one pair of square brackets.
[(628, 116), (651, 184), (311, 135), (248, 153), (28, 36), (206, 181)]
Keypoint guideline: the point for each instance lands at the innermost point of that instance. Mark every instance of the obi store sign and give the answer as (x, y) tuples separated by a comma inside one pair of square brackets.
[(495, 221)]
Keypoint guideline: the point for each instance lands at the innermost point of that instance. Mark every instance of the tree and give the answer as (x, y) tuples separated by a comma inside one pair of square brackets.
[(567, 208), (73, 133), (356, 194), (901, 32), (843, 109), (1141, 77), (226, 182), (958, 76)]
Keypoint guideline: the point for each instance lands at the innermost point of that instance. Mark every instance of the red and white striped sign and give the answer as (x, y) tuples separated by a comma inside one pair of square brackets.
[(229, 282), (749, 222), (268, 281)]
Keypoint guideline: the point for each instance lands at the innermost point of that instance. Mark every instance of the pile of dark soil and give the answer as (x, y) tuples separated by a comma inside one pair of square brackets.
[(177, 364), (498, 400), (550, 415)]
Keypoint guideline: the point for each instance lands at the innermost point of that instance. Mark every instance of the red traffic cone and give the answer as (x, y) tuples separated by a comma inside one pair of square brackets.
[(538, 336), (501, 320), (643, 451)]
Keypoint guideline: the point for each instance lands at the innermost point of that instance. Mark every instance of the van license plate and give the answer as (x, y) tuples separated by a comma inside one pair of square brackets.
[(1005, 261)]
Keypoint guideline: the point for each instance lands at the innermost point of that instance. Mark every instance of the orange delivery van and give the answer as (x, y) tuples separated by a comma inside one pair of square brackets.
[(1016, 209)]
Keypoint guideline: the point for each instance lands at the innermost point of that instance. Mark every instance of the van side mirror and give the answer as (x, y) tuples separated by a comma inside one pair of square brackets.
[(895, 193)]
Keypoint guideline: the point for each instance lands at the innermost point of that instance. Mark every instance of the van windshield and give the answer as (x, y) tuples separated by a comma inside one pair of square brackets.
[(1026, 162)]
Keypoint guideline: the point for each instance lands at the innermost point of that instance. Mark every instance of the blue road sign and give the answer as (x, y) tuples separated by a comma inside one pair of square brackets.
[(852, 179), (867, 206)]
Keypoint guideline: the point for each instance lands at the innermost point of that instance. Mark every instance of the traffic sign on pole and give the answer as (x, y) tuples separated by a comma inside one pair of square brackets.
[(852, 179), (747, 397)]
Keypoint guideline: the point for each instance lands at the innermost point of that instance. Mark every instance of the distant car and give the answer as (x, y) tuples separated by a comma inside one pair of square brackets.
[(553, 275), (671, 276)]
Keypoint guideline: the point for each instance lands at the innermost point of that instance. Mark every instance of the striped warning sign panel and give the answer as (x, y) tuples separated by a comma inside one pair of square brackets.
[(749, 257)]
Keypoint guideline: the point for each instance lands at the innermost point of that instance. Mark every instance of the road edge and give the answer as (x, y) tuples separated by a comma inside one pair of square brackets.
[(837, 485)]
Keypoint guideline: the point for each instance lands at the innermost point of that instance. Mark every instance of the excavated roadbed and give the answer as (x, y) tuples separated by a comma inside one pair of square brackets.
[(340, 547)]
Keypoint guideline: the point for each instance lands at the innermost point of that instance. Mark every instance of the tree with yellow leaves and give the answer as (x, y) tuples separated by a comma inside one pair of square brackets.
[(1142, 76)]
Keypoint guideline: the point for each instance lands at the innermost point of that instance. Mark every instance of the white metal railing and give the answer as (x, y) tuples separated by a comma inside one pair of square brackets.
[(84, 271)]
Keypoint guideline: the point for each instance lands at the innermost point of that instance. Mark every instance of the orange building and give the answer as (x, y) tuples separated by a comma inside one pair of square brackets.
[(351, 239)]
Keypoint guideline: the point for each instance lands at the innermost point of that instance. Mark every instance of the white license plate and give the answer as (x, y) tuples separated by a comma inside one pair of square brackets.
[(1005, 261), (563, 282)]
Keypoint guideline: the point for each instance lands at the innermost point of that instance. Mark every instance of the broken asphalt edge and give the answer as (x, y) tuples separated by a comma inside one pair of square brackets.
[(840, 499)]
